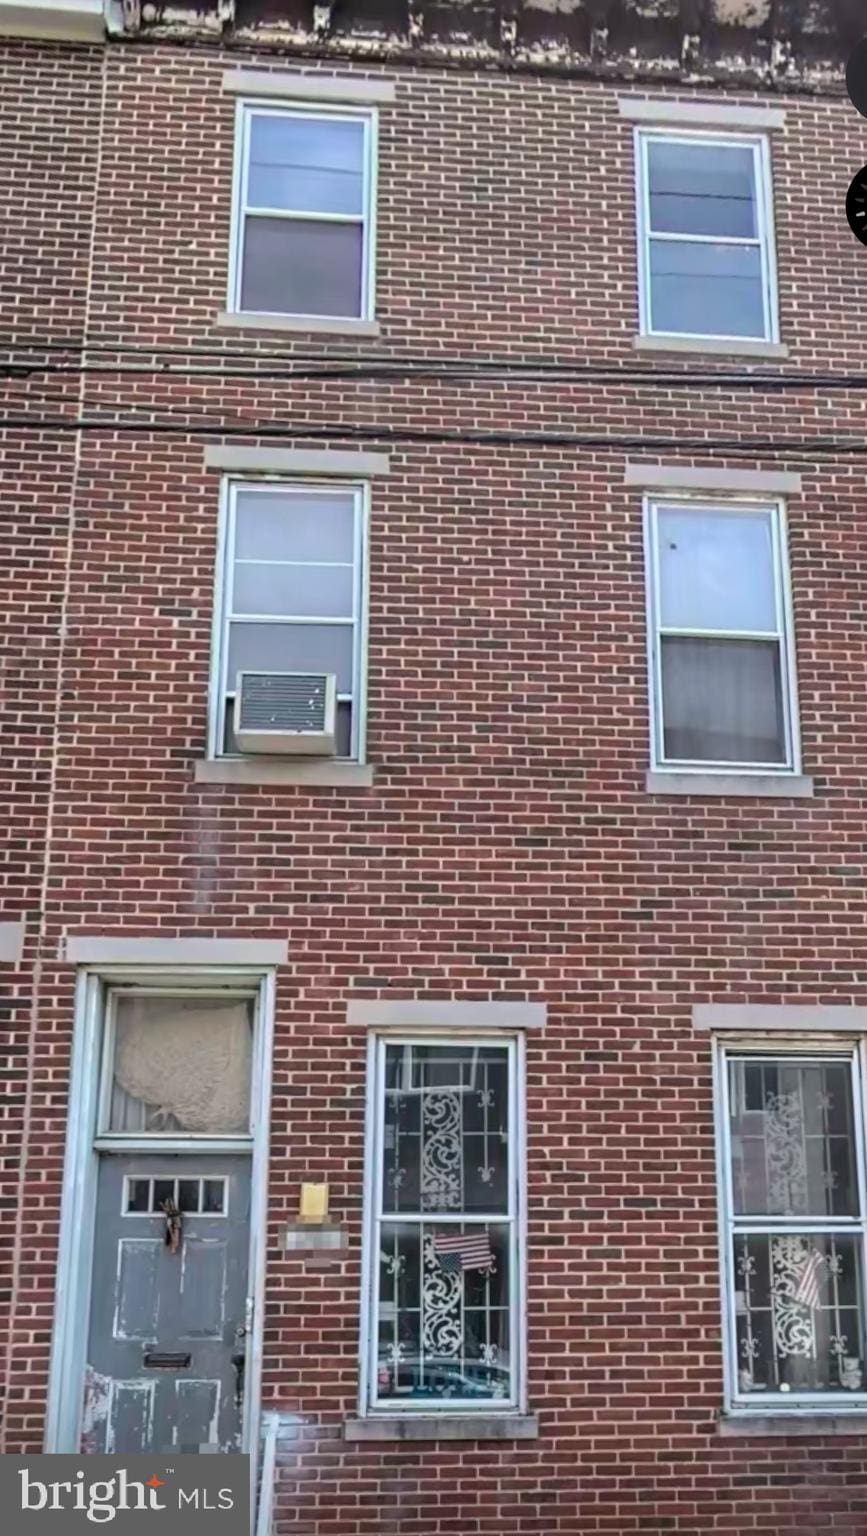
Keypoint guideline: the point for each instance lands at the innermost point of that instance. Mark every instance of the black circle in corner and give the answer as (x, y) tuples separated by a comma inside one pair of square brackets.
[(856, 206), (856, 77)]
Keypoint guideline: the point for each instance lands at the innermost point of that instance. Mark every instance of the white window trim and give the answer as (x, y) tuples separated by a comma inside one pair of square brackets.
[(788, 670), (792, 1404), (368, 116), (218, 690), (465, 1408), (765, 240)]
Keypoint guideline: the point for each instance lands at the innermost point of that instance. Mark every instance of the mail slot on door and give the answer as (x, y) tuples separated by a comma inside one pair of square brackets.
[(166, 1360)]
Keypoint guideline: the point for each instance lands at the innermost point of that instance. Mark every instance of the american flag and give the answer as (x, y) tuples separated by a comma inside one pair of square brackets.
[(807, 1292), (456, 1250)]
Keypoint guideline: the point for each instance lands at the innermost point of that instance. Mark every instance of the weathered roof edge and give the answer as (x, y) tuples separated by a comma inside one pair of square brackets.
[(778, 57)]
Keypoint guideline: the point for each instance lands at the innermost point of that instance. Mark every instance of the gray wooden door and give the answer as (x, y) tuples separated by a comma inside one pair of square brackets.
[(166, 1338)]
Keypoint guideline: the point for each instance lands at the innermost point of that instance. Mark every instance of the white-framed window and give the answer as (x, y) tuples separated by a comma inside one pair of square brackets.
[(706, 255), (303, 212), (442, 1298), (291, 596), (794, 1225), (720, 637)]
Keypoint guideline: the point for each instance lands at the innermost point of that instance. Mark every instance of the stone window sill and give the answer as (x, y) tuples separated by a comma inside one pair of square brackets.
[(280, 770), (299, 324), (717, 346), (471, 1426), (792, 786), (788, 1424)]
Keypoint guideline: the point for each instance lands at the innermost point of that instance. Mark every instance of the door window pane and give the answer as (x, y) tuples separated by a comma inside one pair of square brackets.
[(701, 189), (716, 570), (792, 1138), (722, 701), (181, 1065), (302, 267), (798, 1308), (306, 164), (706, 289)]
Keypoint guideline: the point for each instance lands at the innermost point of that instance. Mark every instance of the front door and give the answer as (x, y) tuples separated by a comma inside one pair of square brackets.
[(166, 1342)]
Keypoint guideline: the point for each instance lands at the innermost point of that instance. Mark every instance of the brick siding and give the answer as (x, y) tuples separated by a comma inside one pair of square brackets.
[(507, 845)]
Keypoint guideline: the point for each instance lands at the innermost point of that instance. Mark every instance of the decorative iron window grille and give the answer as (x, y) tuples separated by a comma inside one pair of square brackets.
[(795, 1225), (442, 1310)]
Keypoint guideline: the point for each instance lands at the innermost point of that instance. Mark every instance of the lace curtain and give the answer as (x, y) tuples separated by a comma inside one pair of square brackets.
[(182, 1064)]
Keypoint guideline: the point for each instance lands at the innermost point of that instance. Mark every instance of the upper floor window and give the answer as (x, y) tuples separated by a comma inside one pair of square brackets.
[(302, 230), (442, 1309), (721, 647), (794, 1227), (705, 236), (291, 597)]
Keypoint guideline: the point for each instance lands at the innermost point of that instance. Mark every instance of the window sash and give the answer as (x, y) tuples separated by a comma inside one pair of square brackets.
[(763, 240), (223, 690), (244, 209), (378, 1216), (781, 635), (733, 1226)]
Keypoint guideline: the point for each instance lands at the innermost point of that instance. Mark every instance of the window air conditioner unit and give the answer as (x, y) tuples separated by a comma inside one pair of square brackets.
[(294, 713)]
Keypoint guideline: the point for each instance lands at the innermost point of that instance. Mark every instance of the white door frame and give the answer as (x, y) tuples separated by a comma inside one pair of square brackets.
[(81, 1164)]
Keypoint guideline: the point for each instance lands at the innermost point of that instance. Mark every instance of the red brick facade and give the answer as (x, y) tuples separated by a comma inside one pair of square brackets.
[(508, 847)]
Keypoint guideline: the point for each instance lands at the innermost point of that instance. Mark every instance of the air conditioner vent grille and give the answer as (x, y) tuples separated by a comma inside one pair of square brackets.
[(283, 702)]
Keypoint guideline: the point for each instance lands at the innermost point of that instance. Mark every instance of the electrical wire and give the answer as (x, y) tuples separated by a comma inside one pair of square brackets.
[(304, 364), (752, 447)]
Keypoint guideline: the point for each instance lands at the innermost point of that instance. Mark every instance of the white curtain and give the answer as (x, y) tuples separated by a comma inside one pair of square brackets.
[(182, 1064)]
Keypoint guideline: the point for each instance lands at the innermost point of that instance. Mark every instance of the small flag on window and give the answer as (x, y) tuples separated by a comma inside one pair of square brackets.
[(807, 1292), (456, 1250)]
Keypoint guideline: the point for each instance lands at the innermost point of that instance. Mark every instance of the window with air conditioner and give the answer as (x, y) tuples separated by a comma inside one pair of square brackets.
[(705, 236), (721, 645), (289, 627), (303, 214)]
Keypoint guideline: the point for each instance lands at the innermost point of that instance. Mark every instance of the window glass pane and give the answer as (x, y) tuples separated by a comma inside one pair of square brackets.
[(792, 1138), (706, 290), (188, 1195), (181, 1064), (292, 648), (306, 164), (214, 1201), (294, 526), (293, 590), (138, 1195), (716, 570), (301, 267), (701, 189), (163, 1193), (443, 1323), (799, 1313), (722, 701), (446, 1128)]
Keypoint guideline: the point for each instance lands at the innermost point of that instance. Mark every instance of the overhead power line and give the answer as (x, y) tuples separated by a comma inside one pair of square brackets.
[(752, 447), (339, 363)]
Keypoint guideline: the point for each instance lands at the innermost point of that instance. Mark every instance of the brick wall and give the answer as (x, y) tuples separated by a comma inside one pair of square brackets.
[(508, 845)]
